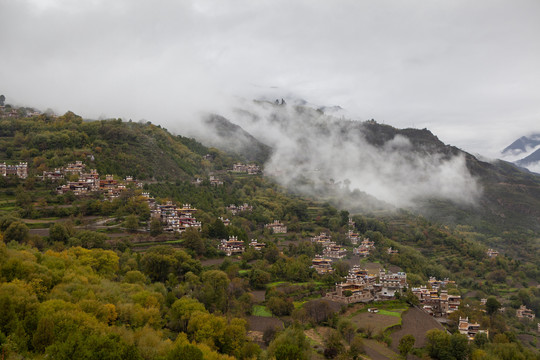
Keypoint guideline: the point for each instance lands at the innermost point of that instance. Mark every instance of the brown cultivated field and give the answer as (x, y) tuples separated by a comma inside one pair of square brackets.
[(415, 322), (261, 323), (259, 295), (379, 351), (374, 322)]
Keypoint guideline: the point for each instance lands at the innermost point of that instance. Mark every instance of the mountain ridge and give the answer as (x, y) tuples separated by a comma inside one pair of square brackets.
[(511, 196)]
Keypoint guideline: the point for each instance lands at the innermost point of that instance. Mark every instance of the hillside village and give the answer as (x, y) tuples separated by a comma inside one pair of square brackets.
[(246, 254)]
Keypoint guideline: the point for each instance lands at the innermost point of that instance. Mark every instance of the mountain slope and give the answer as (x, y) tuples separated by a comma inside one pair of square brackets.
[(530, 160), (223, 134), (522, 145), (144, 151), (367, 166)]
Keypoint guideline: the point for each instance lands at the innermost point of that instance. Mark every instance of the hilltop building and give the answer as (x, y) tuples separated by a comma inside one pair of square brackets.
[(434, 304), (524, 313), (225, 222), (322, 265), (257, 245), (20, 170), (251, 169), (492, 253), (277, 227), (238, 209), (214, 181), (353, 237), (323, 239), (359, 286), (365, 248), (175, 219), (232, 246), (335, 251), (470, 329)]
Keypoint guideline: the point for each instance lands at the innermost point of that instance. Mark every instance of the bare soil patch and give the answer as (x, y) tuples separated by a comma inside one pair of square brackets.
[(415, 322), (40, 232), (259, 295), (379, 351), (526, 340), (261, 323), (374, 321)]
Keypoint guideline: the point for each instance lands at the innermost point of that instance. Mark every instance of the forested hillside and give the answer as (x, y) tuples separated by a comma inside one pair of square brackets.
[(102, 274), (144, 151)]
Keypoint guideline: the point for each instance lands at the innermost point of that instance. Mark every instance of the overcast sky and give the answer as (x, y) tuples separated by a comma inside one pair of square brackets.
[(466, 70)]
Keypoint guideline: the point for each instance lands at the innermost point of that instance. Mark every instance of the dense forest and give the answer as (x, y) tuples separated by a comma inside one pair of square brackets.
[(91, 277)]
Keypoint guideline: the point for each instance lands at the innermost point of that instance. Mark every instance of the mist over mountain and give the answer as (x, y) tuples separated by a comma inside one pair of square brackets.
[(531, 162), (230, 137), (313, 153)]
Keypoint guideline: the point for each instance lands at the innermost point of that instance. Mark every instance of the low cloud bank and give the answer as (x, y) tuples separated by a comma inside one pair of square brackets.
[(312, 150)]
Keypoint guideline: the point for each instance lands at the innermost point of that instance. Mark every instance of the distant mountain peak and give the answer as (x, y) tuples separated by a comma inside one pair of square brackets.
[(523, 145)]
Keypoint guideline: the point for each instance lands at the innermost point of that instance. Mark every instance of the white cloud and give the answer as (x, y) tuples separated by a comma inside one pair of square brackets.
[(470, 66)]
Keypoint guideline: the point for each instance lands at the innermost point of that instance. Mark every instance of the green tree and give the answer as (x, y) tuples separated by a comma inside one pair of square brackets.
[(132, 223), (291, 344), (193, 240), (356, 348), (438, 344), (58, 233), (460, 346), (181, 311), (279, 306), (218, 230), (185, 352), (213, 293), (156, 227), (158, 262), (258, 278), (341, 267), (347, 329), (492, 305), (333, 345), (406, 344), (480, 340), (17, 231), (44, 334)]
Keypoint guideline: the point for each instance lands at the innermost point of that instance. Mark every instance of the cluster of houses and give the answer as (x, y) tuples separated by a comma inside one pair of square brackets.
[(277, 227), (240, 208), (215, 181), (225, 221), (491, 253), (435, 301), (351, 234), (173, 217), (524, 313), (20, 170), (251, 169), (323, 264), (88, 181), (437, 304), (361, 286), (9, 112), (233, 246), (470, 329), (365, 247)]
